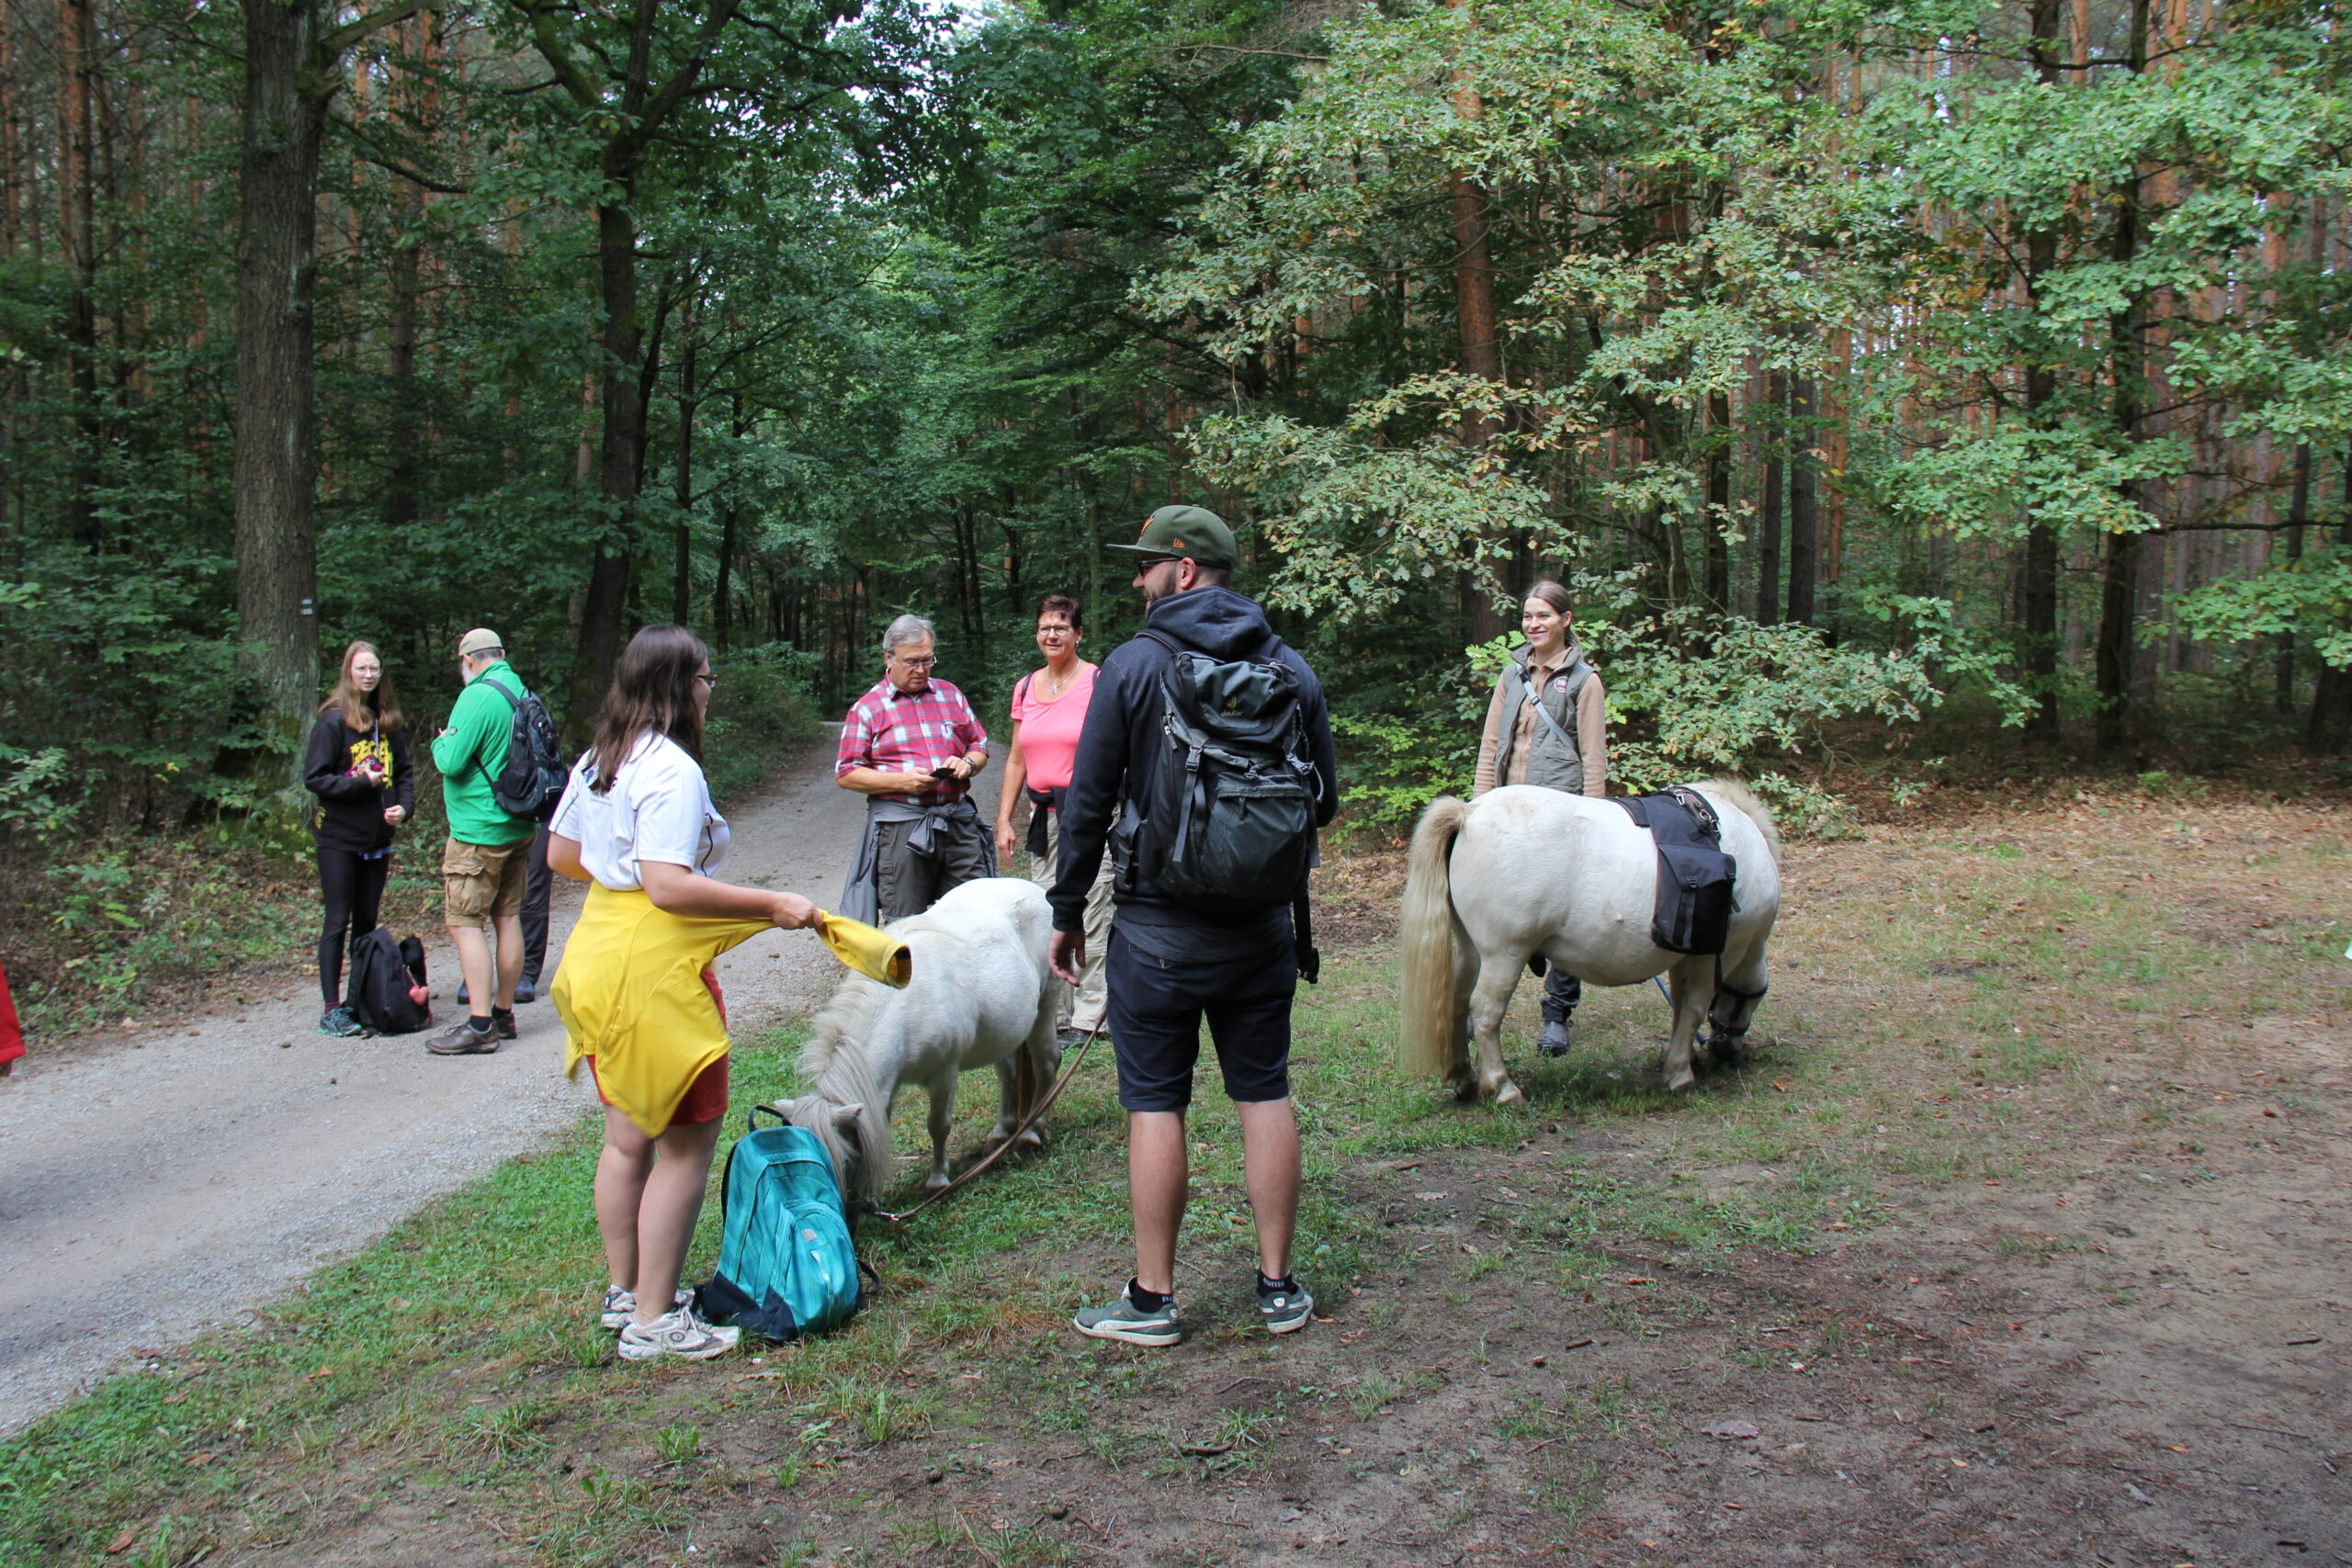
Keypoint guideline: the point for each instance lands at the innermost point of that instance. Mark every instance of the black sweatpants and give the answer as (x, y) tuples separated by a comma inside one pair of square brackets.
[(538, 886), (354, 889)]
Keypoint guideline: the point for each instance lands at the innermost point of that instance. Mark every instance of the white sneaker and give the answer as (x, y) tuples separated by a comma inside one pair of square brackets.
[(621, 1306), (678, 1332)]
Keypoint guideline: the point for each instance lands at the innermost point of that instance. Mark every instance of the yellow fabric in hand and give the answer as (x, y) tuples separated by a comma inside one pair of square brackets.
[(631, 995), (867, 950)]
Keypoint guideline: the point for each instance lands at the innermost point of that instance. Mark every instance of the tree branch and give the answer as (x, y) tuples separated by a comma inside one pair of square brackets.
[(335, 43)]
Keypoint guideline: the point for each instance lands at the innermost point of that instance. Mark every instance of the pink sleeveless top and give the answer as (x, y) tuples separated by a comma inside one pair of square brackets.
[(1049, 730)]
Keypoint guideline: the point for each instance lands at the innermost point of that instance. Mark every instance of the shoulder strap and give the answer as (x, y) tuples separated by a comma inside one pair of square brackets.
[(513, 701), (1549, 722)]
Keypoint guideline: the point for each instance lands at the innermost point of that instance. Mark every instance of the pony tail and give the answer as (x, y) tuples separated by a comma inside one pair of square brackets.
[(1428, 1006)]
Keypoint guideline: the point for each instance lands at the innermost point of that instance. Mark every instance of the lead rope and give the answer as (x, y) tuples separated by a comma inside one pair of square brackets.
[(902, 1217)]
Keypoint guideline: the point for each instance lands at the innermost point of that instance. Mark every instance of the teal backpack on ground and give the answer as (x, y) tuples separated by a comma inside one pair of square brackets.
[(786, 1264)]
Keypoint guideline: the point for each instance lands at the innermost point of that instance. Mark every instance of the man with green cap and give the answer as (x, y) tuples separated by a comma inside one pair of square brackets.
[(1173, 960)]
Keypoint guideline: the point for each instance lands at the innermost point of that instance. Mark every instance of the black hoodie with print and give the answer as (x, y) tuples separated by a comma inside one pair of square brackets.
[(350, 815)]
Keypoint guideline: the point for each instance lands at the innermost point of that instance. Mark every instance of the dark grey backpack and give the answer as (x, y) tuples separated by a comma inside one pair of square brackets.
[(1231, 817)]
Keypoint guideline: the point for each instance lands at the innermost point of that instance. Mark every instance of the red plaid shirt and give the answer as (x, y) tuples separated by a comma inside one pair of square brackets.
[(893, 733)]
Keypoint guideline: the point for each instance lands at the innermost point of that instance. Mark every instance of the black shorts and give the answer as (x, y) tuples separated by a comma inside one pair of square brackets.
[(1156, 1008)]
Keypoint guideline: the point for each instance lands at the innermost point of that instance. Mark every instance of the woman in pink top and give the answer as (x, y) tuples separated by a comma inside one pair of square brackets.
[(1048, 711)]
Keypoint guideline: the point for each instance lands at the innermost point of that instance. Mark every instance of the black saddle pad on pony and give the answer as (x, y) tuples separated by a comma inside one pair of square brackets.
[(1694, 876)]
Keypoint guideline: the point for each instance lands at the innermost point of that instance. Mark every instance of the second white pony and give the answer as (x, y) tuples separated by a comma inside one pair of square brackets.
[(1521, 871), (982, 995)]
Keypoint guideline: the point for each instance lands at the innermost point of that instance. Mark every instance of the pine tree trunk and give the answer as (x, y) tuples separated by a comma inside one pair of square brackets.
[(1719, 505), (1768, 521), (2037, 590), (605, 602), (2119, 586), (2299, 512), (77, 240), (276, 456), (2329, 731), (1804, 500), (681, 565)]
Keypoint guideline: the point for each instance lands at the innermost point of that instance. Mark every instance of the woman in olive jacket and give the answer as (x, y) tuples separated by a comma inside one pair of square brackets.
[(1548, 725), (357, 765)]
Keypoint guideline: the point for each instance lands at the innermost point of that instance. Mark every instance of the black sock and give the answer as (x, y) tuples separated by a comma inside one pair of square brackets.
[(479, 1024), (1286, 1285), (1147, 1300)]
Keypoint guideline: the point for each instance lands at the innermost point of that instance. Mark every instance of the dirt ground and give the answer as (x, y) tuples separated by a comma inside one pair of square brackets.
[(2019, 1240)]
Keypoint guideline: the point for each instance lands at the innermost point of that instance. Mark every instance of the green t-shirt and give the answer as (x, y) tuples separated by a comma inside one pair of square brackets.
[(470, 753)]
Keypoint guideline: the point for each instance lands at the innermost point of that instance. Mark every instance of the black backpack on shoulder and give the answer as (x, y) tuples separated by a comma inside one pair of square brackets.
[(386, 977), (531, 785), (1231, 815)]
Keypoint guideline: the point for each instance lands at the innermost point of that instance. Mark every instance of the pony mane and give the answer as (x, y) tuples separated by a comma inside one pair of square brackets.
[(1740, 798), (840, 1073)]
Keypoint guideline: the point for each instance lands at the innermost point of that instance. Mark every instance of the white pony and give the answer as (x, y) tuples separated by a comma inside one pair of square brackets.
[(1525, 870), (982, 995)]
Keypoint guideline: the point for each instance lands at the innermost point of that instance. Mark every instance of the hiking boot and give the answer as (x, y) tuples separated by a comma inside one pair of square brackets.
[(526, 990), (1285, 1308), (621, 1306), (1553, 1041), (1124, 1320), (678, 1332), (338, 1023), (1071, 1037), (463, 1040), (501, 1022)]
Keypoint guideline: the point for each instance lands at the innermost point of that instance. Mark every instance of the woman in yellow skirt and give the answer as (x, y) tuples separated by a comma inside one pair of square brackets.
[(639, 1000)]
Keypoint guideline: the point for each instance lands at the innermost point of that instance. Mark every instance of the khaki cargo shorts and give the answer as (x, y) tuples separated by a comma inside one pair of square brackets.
[(482, 879)]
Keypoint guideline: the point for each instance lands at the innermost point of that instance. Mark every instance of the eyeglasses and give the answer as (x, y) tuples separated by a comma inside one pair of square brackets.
[(709, 681), (1150, 561), (917, 664)]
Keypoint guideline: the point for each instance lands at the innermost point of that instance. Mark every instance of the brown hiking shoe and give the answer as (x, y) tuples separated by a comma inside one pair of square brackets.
[(463, 1040)]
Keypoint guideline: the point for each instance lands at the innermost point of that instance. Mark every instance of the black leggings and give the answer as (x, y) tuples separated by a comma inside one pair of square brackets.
[(355, 891)]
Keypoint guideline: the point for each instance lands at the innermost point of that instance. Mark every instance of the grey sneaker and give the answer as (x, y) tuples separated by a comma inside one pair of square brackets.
[(1124, 1320), (678, 1332), (1285, 1311), (462, 1039), (339, 1024), (1553, 1042), (621, 1306)]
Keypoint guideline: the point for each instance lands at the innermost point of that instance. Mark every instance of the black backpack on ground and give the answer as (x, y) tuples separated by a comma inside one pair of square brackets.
[(532, 782), (385, 976), (1231, 815)]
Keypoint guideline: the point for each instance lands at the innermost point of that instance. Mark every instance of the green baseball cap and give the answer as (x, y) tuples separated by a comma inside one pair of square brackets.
[(1186, 533)]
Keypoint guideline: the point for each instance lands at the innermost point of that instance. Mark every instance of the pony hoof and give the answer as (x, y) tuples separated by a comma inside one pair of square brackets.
[(935, 1181), (1504, 1091), (1464, 1089), (1680, 1081), (1032, 1139)]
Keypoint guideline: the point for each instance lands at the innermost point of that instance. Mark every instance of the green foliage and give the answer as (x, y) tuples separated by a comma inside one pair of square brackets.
[(2309, 598)]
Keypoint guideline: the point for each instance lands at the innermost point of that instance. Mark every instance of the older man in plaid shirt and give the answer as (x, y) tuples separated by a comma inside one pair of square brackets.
[(910, 746)]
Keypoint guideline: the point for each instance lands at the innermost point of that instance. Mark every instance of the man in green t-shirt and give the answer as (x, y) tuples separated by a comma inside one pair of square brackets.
[(483, 864)]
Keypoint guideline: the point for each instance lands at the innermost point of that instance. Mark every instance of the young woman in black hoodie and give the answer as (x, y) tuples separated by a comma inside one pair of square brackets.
[(357, 766)]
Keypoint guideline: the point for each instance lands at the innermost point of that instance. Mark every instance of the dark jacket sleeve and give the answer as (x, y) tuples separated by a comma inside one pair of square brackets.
[(324, 770), (1322, 751), (1092, 803), (404, 776)]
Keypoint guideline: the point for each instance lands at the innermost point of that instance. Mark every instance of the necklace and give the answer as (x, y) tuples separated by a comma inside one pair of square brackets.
[(1062, 685)]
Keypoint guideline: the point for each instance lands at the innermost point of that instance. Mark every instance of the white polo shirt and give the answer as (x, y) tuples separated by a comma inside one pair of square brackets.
[(658, 810)]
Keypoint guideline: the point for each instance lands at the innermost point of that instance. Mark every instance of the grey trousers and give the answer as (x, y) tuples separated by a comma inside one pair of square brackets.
[(907, 882)]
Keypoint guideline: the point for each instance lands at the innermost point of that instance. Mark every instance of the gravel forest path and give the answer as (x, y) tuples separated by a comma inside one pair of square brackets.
[(159, 1184)]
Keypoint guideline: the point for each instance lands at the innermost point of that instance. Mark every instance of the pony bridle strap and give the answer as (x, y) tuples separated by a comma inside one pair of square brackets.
[(901, 1217)]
